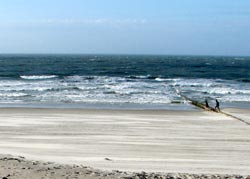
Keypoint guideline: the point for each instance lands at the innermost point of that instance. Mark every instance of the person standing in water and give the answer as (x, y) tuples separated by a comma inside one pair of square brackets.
[(217, 106), (206, 104)]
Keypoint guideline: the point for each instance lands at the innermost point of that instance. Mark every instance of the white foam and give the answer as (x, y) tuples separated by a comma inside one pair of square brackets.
[(236, 98), (36, 77), (224, 90), (113, 90), (160, 79), (12, 94), (193, 82)]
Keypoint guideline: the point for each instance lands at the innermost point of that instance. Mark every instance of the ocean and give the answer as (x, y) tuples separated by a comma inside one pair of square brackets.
[(123, 81)]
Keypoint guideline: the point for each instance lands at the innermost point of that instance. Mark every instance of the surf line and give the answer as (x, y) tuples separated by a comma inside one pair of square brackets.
[(203, 106)]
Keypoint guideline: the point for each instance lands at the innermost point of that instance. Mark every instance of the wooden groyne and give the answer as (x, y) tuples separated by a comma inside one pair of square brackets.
[(203, 106)]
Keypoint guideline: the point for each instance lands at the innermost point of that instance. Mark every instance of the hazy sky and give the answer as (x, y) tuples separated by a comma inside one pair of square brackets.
[(198, 27)]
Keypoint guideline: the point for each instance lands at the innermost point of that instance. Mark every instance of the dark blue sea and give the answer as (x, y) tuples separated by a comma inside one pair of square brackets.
[(122, 81)]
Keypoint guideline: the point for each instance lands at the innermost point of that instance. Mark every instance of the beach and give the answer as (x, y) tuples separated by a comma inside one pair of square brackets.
[(124, 89), (153, 141)]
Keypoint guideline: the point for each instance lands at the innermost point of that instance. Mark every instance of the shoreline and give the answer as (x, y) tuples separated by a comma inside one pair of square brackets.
[(102, 106), (175, 106), (165, 141)]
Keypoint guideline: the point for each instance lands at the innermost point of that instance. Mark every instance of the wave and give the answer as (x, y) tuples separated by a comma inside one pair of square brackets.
[(58, 89), (142, 77), (38, 77), (227, 91), (14, 95), (111, 89), (246, 80), (76, 78), (236, 98)]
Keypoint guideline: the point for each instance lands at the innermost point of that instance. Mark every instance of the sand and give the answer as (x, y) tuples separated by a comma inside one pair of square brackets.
[(194, 142), (19, 167)]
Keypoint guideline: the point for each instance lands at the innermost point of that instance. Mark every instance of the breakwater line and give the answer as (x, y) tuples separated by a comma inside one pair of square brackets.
[(203, 106)]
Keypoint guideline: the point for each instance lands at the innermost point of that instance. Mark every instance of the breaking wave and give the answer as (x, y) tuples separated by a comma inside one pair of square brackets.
[(36, 77), (123, 79)]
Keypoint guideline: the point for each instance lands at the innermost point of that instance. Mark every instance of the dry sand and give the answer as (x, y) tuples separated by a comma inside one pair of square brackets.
[(152, 141), (20, 168)]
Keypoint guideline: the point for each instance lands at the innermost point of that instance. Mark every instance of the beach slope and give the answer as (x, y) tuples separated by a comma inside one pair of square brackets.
[(128, 140)]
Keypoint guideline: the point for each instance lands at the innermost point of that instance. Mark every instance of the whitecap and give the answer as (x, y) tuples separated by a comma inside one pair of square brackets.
[(13, 95), (160, 79), (38, 77)]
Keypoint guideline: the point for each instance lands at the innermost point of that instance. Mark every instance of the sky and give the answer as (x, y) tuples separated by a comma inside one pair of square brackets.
[(172, 27)]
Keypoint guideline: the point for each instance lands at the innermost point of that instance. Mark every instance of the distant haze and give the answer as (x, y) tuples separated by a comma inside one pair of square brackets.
[(196, 27)]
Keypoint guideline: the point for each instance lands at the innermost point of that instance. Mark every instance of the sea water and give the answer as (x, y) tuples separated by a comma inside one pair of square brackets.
[(123, 81)]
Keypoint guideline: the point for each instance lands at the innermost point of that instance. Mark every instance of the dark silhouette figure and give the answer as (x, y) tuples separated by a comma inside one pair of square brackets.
[(206, 104), (217, 106)]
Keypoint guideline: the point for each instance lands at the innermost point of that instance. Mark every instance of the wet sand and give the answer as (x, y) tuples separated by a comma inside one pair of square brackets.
[(194, 142)]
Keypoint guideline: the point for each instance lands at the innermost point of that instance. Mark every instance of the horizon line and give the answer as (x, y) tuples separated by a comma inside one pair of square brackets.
[(122, 54)]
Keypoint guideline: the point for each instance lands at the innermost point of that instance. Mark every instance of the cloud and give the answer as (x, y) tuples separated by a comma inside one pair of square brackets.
[(74, 22), (100, 21)]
